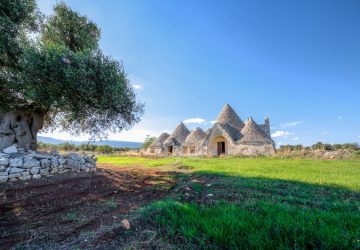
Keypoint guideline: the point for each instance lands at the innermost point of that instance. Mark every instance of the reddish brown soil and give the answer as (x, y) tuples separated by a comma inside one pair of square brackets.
[(61, 210)]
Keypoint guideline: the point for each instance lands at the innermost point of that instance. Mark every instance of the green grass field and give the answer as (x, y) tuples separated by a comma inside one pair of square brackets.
[(256, 203)]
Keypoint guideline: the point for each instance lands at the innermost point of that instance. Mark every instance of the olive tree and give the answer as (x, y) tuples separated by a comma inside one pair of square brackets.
[(60, 80)]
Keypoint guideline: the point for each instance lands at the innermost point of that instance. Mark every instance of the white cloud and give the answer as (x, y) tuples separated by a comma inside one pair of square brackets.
[(325, 132), (137, 86), (291, 124), (339, 117), (295, 138), (213, 122), (194, 120), (280, 133)]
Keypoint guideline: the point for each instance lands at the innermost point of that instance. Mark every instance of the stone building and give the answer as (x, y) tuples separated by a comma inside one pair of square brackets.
[(228, 136)]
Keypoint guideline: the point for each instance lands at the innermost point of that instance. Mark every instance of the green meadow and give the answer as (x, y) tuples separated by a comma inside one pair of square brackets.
[(255, 203)]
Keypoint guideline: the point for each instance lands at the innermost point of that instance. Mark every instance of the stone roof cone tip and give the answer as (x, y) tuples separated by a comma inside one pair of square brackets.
[(195, 136), (160, 140), (253, 133), (228, 115), (180, 133)]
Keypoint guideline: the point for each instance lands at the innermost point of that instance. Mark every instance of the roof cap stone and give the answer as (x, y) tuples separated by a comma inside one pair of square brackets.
[(179, 135), (229, 116)]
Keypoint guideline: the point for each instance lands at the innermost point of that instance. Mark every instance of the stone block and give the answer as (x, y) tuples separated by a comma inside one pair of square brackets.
[(35, 170), (4, 173), (4, 161), (44, 172), (30, 163), (15, 170), (25, 173), (45, 163), (25, 178), (54, 170), (54, 162), (10, 150), (16, 162)]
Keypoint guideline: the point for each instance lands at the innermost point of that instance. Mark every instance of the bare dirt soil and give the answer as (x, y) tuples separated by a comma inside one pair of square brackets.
[(76, 210)]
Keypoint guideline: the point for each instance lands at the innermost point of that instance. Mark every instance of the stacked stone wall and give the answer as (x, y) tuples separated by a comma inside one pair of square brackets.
[(25, 165)]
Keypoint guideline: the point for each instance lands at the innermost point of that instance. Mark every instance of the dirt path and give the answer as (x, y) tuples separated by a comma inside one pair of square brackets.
[(60, 209)]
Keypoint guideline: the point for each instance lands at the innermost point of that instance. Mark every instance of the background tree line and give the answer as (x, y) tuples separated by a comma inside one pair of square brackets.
[(103, 149), (321, 146)]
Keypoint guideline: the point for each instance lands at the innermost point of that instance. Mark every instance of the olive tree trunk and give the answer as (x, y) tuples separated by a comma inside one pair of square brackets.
[(20, 127)]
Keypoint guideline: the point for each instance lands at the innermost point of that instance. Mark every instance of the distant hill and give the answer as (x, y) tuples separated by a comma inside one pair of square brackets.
[(112, 143)]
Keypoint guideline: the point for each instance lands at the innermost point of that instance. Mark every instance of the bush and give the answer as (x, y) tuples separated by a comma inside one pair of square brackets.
[(104, 149)]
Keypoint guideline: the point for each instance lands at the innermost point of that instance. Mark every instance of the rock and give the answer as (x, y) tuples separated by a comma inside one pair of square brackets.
[(54, 162), (74, 161), (15, 170), (89, 165), (45, 163), (44, 172), (30, 163), (4, 178), (4, 161), (16, 162), (126, 224), (25, 178), (2, 155), (63, 171), (21, 150), (14, 175), (25, 173), (40, 156), (10, 150), (54, 170), (35, 170), (209, 195), (36, 176), (5, 173), (12, 179), (61, 161)]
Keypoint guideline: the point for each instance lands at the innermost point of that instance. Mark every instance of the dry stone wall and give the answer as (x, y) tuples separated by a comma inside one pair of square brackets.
[(25, 165)]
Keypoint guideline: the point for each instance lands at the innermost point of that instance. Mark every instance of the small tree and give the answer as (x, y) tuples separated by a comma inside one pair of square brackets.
[(147, 142), (62, 80)]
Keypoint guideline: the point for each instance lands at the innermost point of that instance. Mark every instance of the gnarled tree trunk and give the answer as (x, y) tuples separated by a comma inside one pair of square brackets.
[(20, 127)]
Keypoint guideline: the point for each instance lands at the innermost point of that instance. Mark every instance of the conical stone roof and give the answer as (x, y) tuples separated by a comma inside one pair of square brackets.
[(196, 136), (159, 142), (229, 116), (253, 134), (179, 135)]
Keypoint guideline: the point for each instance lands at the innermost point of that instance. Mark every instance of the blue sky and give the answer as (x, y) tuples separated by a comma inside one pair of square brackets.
[(297, 62)]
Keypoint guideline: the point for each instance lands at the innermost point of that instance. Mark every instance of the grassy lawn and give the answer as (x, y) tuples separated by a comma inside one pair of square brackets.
[(256, 203)]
